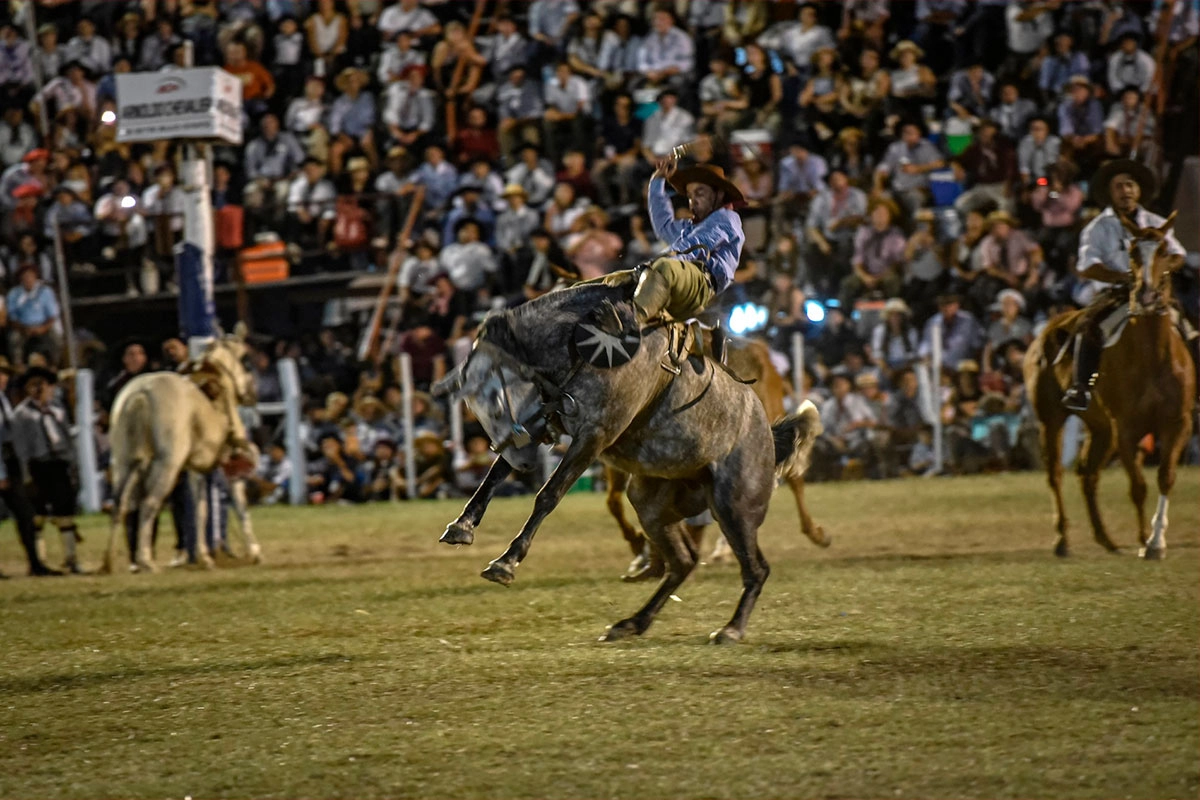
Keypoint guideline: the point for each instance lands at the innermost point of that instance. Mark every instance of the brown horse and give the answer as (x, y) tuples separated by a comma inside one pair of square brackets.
[(749, 359), (1146, 386)]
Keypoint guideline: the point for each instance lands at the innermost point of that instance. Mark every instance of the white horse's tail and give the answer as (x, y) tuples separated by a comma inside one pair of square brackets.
[(794, 437)]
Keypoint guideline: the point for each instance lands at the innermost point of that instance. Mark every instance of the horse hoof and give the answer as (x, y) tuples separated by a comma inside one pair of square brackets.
[(825, 539), (1061, 550), (620, 630), (255, 554), (642, 569), (1153, 553), (498, 573), (146, 566), (458, 533), (208, 563), (726, 635)]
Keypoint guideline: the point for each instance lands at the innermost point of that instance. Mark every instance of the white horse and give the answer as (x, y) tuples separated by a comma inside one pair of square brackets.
[(163, 423)]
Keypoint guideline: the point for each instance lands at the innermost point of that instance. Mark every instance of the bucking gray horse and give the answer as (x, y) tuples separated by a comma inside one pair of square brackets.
[(563, 365), (164, 423)]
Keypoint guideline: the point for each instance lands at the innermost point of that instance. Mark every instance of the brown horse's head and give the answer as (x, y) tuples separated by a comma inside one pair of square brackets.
[(1151, 265)]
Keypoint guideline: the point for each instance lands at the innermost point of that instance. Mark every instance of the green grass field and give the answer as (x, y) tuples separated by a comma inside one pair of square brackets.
[(937, 650)]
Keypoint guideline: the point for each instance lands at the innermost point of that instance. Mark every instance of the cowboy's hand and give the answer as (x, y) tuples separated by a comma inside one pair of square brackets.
[(666, 167)]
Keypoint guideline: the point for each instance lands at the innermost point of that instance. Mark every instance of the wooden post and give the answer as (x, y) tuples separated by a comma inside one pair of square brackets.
[(459, 67), (1157, 92), (369, 344)]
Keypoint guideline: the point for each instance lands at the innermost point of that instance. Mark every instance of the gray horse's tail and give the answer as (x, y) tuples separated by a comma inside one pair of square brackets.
[(794, 437)]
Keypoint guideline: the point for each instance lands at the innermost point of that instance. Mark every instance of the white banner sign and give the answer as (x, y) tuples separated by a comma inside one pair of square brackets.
[(200, 103)]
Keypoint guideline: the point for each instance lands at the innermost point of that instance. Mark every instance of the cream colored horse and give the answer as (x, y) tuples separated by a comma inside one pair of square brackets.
[(163, 423)]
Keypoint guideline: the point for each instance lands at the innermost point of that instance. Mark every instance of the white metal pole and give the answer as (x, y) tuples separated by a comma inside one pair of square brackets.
[(798, 366), (410, 459), (936, 386), (85, 440), (925, 393), (289, 382)]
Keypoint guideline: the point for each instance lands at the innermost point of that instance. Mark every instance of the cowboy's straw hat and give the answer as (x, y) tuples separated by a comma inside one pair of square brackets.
[(906, 46), (896, 305), (1002, 216), (345, 75), (709, 176)]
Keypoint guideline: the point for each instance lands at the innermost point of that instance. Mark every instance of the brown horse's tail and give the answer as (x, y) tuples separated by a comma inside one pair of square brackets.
[(794, 437)]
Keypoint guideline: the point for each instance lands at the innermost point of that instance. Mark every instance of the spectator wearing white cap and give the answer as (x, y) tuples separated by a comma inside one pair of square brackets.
[(1010, 324)]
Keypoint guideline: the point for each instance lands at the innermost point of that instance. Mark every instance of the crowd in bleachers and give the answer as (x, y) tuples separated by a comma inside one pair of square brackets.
[(900, 162)]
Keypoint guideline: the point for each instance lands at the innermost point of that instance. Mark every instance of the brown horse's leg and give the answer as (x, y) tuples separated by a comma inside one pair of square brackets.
[(811, 530), (652, 498), (617, 481), (1127, 450), (1171, 443), (1051, 435), (1096, 453)]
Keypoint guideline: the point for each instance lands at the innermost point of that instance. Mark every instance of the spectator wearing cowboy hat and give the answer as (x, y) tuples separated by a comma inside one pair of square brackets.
[(41, 440), (906, 166), (894, 339), (912, 83), (352, 119), (1081, 123), (878, 258), (467, 260), (1009, 325), (13, 490), (925, 275), (1130, 121), (1010, 257), (467, 203), (72, 89), (516, 222), (1120, 187), (33, 318)]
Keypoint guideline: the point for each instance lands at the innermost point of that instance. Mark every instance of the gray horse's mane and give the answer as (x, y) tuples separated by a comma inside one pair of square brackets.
[(538, 332)]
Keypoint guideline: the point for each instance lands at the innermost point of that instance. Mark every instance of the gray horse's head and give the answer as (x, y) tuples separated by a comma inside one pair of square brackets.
[(227, 354)]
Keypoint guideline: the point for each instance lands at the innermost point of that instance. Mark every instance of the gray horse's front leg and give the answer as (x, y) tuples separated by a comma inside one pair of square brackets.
[(578, 458), (462, 530)]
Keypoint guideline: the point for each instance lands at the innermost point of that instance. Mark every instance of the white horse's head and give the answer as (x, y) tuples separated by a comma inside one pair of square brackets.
[(226, 355)]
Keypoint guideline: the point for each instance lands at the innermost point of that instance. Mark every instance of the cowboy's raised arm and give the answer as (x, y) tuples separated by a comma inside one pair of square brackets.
[(662, 215)]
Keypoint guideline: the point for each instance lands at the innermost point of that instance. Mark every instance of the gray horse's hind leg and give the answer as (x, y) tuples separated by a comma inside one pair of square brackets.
[(156, 486), (740, 513), (578, 458), (462, 530), (653, 498)]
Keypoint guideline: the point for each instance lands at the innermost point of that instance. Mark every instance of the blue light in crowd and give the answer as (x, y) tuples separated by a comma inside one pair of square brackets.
[(814, 311), (747, 317)]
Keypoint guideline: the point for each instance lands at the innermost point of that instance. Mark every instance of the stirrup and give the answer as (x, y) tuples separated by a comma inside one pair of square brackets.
[(1077, 399), (673, 361)]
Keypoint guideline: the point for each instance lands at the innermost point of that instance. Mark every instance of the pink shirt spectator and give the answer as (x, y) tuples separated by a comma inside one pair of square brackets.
[(1059, 211), (1010, 255)]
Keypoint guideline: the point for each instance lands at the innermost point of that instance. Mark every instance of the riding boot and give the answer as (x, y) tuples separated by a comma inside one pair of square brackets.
[(651, 297), (1086, 369), (718, 343)]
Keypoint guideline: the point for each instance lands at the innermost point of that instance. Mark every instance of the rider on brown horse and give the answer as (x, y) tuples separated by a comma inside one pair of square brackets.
[(1104, 258)]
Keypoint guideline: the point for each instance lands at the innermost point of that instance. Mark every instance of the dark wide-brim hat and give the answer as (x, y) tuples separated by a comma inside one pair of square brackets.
[(709, 176), (1118, 166), (34, 373)]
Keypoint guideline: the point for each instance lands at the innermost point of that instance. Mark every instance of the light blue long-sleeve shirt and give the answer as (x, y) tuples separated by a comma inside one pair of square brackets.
[(721, 232)]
